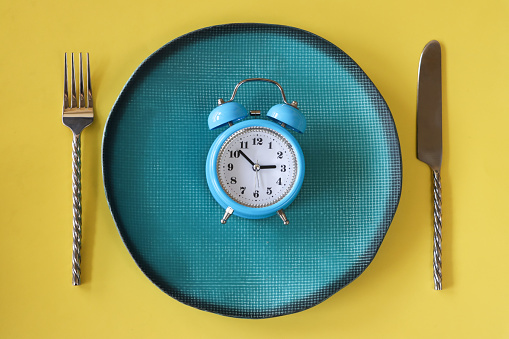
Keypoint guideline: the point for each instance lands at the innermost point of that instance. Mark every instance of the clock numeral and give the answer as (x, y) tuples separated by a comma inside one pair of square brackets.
[(257, 141), (280, 155), (233, 180), (230, 167), (235, 154), (283, 168), (242, 190), (243, 144), (270, 145), (256, 194), (278, 181), (269, 190)]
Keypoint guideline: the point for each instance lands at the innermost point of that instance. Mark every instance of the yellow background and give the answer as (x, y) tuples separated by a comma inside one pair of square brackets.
[(393, 298)]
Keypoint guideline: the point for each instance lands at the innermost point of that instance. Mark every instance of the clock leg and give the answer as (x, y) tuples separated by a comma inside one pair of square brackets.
[(227, 213), (283, 217)]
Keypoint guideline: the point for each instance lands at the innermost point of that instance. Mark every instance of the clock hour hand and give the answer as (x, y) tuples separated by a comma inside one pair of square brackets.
[(245, 156), (267, 166)]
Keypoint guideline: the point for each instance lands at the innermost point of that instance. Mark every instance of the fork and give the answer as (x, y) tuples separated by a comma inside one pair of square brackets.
[(77, 114)]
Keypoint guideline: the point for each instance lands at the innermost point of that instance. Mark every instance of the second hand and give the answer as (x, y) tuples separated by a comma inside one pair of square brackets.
[(257, 169)]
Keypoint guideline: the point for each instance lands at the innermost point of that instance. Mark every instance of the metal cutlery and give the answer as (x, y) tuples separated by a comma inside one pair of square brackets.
[(77, 114), (429, 138)]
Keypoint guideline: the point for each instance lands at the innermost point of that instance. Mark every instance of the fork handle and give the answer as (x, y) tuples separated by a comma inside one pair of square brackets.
[(76, 209), (437, 230)]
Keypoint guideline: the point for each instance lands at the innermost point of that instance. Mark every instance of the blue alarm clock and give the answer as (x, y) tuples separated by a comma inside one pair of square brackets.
[(255, 168)]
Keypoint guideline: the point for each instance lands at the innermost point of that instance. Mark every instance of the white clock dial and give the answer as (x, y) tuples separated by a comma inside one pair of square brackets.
[(256, 166)]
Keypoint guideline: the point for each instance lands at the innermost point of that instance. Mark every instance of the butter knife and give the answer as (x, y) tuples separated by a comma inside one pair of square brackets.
[(429, 138)]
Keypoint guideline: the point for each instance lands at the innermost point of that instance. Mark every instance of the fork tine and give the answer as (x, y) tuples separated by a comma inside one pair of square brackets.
[(89, 84), (73, 84), (82, 85), (66, 85)]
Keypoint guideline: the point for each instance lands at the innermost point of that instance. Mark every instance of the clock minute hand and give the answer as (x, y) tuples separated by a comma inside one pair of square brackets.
[(245, 156)]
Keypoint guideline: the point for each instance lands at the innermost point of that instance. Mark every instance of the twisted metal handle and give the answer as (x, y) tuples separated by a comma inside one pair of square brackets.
[(76, 209), (437, 233)]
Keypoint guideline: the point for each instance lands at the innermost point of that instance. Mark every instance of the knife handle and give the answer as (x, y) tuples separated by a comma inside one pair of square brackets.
[(437, 230)]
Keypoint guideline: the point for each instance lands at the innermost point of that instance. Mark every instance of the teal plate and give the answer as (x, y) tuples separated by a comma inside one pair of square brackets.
[(156, 142)]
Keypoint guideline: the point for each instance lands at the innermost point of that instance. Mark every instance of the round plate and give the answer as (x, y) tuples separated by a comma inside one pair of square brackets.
[(155, 146)]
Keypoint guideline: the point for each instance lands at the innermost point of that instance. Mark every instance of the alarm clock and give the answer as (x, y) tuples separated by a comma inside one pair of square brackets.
[(255, 168)]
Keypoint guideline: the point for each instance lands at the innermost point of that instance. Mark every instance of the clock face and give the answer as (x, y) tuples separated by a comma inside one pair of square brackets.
[(256, 166)]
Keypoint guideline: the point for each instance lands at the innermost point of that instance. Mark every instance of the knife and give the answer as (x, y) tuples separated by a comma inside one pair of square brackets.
[(429, 138)]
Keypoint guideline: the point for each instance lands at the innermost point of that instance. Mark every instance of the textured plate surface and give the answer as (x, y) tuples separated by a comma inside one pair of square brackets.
[(156, 142)]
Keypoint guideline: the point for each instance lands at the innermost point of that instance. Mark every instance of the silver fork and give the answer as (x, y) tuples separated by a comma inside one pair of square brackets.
[(77, 114)]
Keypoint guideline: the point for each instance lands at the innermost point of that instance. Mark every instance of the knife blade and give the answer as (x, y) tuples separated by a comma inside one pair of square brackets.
[(429, 138)]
